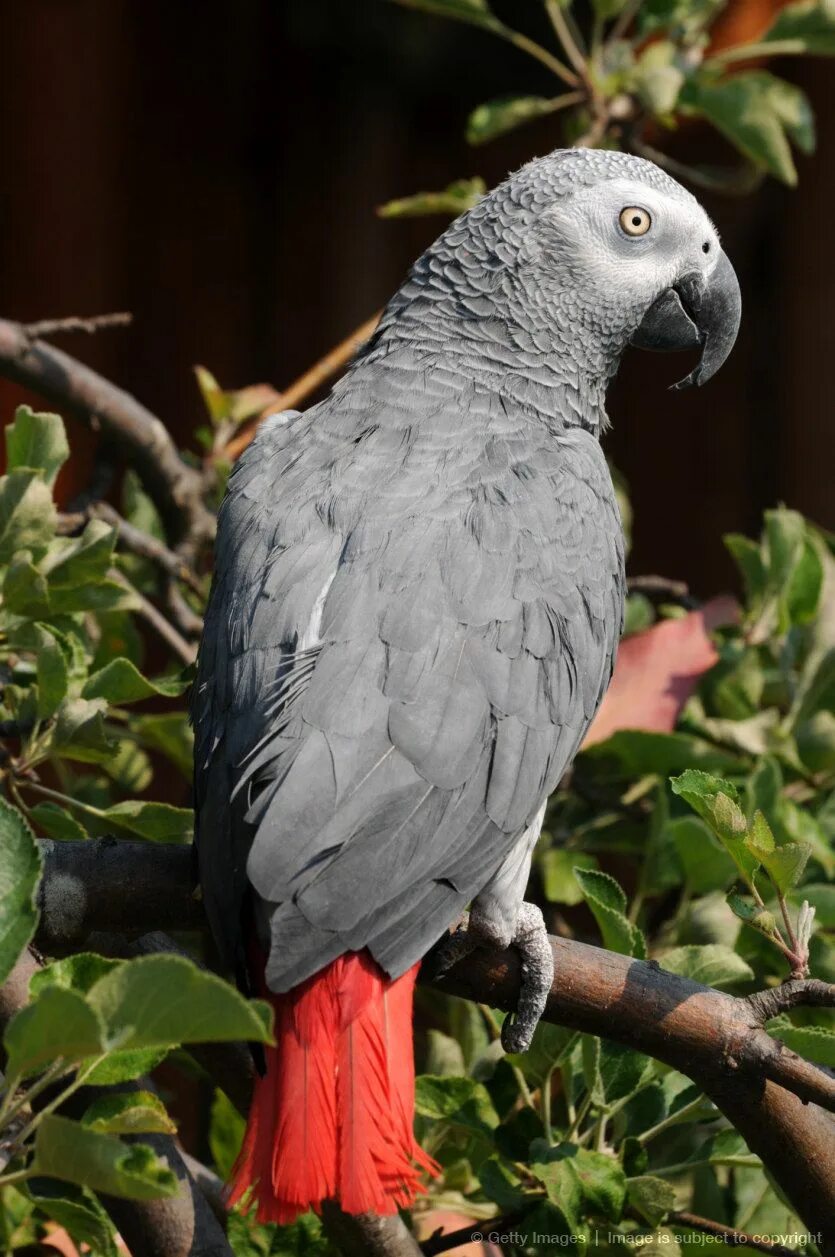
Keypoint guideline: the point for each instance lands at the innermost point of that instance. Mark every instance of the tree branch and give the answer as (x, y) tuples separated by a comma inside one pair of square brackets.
[(98, 323), (306, 384), (75, 389), (714, 1038)]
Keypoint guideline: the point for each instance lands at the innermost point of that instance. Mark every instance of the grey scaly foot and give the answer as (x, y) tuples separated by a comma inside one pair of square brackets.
[(487, 928), (531, 941)]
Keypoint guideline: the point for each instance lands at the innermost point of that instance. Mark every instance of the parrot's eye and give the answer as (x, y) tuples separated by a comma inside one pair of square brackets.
[(635, 221)]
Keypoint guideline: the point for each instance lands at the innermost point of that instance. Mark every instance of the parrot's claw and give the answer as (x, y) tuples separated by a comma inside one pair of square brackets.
[(532, 943), (485, 929)]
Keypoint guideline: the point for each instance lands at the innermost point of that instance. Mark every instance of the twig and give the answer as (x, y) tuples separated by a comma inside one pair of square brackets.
[(566, 38), (144, 607), (629, 11), (657, 585), (807, 993), (714, 1038), (444, 1242), (732, 1238), (306, 384), (133, 539), (98, 323), (187, 621), (175, 487)]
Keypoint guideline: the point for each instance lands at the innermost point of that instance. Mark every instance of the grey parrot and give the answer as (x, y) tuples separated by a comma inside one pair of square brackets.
[(417, 601)]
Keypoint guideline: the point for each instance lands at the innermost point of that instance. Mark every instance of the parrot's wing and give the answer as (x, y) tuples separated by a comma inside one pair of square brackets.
[(393, 701)]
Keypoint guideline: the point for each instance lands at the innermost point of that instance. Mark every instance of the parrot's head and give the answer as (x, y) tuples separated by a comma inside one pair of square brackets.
[(625, 255)]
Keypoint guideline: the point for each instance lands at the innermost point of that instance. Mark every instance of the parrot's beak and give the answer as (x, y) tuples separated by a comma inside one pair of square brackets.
[(695, 311)]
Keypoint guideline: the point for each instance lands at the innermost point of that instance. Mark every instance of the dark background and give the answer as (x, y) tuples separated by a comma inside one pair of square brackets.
[(213, 167)]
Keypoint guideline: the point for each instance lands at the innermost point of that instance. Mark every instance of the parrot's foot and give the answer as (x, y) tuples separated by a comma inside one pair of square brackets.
[(530, 938), (532, 943)]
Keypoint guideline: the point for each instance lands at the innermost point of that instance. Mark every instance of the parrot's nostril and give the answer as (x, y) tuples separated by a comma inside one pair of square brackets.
[(706, 247)]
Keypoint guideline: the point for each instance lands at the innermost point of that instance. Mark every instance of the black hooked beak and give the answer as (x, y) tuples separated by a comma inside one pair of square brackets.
[(695, 311)]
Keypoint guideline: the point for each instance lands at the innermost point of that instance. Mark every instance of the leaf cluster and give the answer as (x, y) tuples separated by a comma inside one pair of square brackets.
[(629, 71)]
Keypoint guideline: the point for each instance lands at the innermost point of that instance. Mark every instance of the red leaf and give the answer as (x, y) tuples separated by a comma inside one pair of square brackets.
[(658, 670)]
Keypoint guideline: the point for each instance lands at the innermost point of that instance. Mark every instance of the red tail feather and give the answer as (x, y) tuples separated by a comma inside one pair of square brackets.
[(332, 1116)]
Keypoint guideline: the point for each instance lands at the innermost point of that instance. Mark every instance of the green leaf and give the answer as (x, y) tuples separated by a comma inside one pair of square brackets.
[(809, 26), (459, 1101), (620, 1072), (502, 1186), (636, 752), (78, 1212), (706, 864), (120, 681), (443, 1054), (27, 514), (120, 1067), (79, 731), (726, 1148), (712, 964), (580, 1181), (814, 1043), (497, 117), (156, 822), (549, 1048), (816, 742), (226, 1133), (161, 1001), (561, 1182), (785, 864), (25, 590), (59, 1023), (557, 866), (171, 735), (457, 197), (129, 767), (73, 973), (806, 586), (716, 802), (52, 673), (138, 507), (748, 557), (652, 1197), (37, 441), (66, 1150), (20, 870), (128, 1113), (81, 560), (56, 823), (608, 904), (657, 78), (756, 112)]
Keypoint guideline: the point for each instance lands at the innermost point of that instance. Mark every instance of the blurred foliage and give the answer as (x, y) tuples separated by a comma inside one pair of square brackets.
[(629, 72), (70, 659)]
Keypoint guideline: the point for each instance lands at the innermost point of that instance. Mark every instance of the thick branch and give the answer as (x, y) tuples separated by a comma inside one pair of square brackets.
[(75, 389), (714, 1038)]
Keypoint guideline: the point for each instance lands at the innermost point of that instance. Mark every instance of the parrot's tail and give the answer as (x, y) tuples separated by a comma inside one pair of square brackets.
[(332, 1116)]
